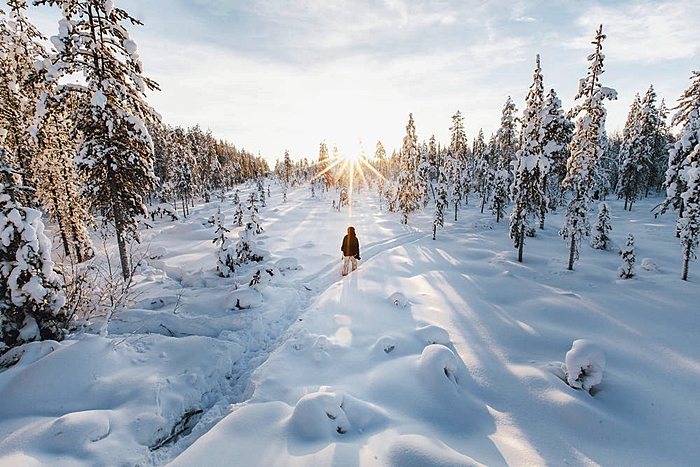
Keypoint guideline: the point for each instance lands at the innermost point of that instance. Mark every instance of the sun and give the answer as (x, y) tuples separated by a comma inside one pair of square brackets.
[(353, 156)]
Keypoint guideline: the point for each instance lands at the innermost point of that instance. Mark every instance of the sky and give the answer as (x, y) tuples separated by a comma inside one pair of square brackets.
[(277, 75)]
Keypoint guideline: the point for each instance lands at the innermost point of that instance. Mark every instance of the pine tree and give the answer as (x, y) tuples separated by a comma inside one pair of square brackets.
[(380, 155), (557, 135), (630, 180), (238, 216), (440, 202), (507, 139), (31, 298), (689, 223), (484, 174), (116, 154), (458, 151), (627, 269), (601, 239), (408, 190), (261, 192), (21, 45), (652, 139), (454, 169), (586, 149), (58, 185), (225, 255), (683, 174), (662, 143), (246, 248), (434, 162), (527, 190), (184, 166)]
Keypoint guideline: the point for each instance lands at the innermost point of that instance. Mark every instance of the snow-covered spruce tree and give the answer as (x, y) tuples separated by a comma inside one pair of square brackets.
[(225, 255), (323, 168), (458, 151), (454, 168), (434, 159), (557, 136), (246, 248), (631, 179), (408, 191), (31, 298), (586, 148), (484, 173), (507, 138), (58, 185), (21, 45), (390, 197), (116, 153), (689, 223), (527, 190), (183, 169), (687, 115), (479, 169), (440, 202), (626, 270), (662, 144), (238, 216), (380, 156), (423, 176), (652, 139), (601, 239)]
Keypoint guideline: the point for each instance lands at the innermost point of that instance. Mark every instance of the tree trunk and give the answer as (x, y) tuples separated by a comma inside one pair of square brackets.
[(686, 259), (119, 227), (521, 243), (572, 249), (434, 231), (456, 212)]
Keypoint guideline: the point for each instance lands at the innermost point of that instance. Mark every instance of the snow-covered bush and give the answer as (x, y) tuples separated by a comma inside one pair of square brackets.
[(31, 298), (585, 363), (626, 270)]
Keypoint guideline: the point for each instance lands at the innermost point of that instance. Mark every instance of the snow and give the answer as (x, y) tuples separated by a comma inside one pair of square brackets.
[(432, 353), (585, 364)]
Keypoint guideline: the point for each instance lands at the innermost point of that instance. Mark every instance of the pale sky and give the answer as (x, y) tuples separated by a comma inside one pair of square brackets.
[(270, 75)]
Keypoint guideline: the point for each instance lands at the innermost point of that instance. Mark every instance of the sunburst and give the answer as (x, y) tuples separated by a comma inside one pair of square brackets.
[(350, 169)]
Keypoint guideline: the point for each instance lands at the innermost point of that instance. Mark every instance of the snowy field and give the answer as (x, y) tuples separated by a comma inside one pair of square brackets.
[(432, 353)]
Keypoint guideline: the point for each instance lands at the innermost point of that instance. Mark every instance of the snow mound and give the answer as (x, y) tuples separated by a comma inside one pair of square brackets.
[(398, 299), (440, 369), (328, 416), (585, 363), (287, 264), (243, 299), (384, 345), (157, 303), (649, 265), (433, 335), (157, 252), (426, 452)]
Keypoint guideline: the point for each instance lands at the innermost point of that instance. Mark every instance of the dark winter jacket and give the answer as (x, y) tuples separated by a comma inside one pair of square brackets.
[(350, 246)]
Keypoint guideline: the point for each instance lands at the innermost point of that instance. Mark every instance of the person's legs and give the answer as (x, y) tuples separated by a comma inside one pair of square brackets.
[(353, 260), (346, 265)]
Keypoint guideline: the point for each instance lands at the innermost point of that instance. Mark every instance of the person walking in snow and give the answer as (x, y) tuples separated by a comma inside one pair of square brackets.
[(351, 251)]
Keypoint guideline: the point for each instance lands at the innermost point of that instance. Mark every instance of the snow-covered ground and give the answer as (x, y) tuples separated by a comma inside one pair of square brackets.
[(432, 353)]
